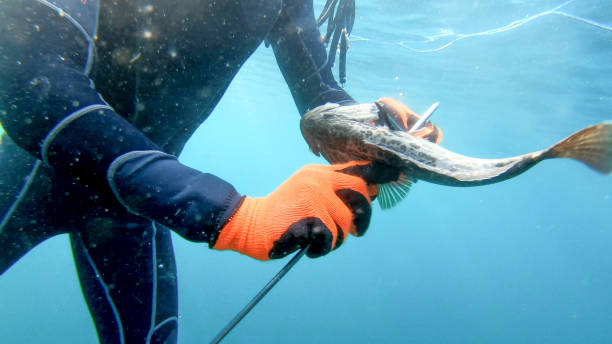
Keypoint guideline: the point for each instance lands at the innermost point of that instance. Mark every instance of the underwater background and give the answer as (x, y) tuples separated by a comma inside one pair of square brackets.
[(524, 261)]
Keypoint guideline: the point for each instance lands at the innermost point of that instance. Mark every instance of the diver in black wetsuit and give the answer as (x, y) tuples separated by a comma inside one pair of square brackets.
[(98, 97)]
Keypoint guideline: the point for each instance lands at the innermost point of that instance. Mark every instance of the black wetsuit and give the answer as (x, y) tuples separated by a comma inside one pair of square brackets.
[(97, 98)]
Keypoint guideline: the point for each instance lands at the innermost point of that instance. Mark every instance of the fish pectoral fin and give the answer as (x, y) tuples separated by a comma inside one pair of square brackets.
[(390, 194)]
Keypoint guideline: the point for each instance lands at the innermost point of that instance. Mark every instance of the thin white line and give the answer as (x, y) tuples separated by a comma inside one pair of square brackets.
[(511, 26), (584, 20), (154, 292), (62, 125), (63, 14), (92, 43), (105, 287), (21, 195), (95, 33), (90, 52)]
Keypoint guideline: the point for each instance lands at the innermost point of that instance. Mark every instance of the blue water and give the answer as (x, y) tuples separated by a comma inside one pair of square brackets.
[(524, 261)]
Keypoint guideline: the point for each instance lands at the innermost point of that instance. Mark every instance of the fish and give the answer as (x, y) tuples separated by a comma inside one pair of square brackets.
[(362, 133)]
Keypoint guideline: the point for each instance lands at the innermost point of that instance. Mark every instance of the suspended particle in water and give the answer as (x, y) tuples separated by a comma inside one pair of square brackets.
[(147, 34)]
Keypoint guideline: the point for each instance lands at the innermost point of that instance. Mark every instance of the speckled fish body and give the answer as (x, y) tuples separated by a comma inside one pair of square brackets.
[(344, 134)]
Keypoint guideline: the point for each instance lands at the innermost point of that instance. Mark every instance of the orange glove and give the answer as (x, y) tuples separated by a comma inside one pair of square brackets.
[(317, 206), (406, 118)]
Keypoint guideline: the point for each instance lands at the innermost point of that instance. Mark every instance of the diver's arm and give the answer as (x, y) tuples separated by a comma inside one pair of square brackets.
[(301, 56), (49, 107)]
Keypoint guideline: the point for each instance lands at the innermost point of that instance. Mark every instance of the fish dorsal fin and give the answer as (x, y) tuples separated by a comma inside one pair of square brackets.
[(390, 194)]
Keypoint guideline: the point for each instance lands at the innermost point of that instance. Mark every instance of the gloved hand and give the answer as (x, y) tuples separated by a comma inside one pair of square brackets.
[(318, 205), (406, 118)]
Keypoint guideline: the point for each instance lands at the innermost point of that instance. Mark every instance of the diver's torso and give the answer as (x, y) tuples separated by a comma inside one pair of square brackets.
[(165, 64)]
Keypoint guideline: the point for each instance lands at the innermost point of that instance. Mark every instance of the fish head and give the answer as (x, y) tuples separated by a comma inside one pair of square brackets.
[(332, 118), (339, 132)]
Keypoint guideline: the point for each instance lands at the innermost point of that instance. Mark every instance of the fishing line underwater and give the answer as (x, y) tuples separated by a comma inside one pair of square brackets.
[(452, 37)]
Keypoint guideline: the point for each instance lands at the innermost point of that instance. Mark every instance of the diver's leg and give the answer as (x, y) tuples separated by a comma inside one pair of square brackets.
[(128, 278), (28, 203)]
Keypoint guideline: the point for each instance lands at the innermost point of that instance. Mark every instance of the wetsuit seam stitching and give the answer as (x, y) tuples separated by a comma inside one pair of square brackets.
[(63, 124), (162, 323), (117, 163), (106, 292), (20, 196), (154, 282), (90, 40)]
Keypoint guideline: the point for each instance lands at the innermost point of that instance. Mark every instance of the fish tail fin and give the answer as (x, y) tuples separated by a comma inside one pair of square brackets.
[(591, 145)]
